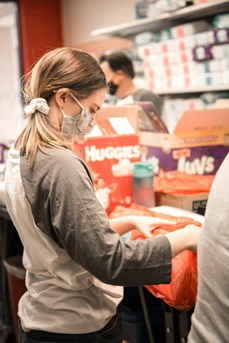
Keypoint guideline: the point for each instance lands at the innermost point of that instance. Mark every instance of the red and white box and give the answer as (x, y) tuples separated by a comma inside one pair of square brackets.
[(110, 151)]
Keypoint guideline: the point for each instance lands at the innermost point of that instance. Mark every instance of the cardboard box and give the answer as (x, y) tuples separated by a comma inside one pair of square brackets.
[(198, 144), (194, 202), (110, 151)]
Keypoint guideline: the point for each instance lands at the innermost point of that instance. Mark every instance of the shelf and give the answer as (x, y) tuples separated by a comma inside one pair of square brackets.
[(164, 20), (175, 91)]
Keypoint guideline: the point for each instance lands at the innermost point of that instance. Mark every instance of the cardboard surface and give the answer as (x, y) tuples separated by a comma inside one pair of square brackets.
[(198, 144), (194, 202), (110, 151), (203, 120)]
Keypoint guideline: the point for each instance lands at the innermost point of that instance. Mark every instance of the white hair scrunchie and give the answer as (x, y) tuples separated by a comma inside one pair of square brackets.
[(37, 104)]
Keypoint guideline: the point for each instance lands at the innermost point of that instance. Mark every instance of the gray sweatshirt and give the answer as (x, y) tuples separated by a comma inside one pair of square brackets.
[(210, 321), (76, 264)]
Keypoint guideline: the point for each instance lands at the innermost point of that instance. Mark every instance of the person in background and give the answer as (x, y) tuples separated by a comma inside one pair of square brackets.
[(119, 71), (76, 262), (210, 322)]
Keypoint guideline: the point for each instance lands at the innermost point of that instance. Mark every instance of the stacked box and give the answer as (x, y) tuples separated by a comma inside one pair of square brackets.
[(110, 151), (198, 144)]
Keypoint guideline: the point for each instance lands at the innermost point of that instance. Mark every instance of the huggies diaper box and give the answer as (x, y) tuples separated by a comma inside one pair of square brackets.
[(110, 151), (198, 144)]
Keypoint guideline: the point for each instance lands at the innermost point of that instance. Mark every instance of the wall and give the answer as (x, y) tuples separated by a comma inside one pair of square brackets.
[(41, 30), (80, 17), (10, 105)]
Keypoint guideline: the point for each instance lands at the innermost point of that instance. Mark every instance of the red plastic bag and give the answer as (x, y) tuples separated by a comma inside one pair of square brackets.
[(181, 292), (176, 182)]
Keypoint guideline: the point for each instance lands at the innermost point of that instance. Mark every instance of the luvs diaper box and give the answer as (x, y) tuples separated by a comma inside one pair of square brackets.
[(198, 144)]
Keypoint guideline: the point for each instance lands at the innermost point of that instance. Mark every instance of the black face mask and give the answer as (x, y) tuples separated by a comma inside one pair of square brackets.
[(112, 88)]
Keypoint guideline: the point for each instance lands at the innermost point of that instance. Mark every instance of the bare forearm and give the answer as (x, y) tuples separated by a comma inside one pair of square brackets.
[(142, 223), (122, 224), (182, 239)]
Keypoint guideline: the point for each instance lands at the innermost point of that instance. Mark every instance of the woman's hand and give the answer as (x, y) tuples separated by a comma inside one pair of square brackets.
[(186, 238), (143, 224), (146, 224), (193, 232)]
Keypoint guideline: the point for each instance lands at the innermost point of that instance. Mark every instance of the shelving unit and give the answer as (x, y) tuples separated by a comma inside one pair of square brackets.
[(192, 90), (185, 14)]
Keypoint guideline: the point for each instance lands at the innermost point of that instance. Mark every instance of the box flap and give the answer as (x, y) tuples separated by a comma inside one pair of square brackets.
[(122, 125), (114, 126), (207, 119), (115, 121), (149, 120), (130, 112)]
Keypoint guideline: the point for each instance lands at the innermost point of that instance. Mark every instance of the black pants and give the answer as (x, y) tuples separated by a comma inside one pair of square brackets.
[(111, 333)]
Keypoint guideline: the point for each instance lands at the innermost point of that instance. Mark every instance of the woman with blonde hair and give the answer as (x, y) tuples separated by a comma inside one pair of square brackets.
[(76, 263)]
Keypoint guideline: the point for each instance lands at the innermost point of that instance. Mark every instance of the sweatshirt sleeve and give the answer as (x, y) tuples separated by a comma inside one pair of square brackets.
[(83, 230)]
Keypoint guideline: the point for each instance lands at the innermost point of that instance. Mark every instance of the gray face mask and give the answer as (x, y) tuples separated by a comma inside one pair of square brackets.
[(79, 125)]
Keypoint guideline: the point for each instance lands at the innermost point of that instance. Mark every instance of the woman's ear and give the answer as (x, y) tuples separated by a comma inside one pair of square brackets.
[(60, 96)]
